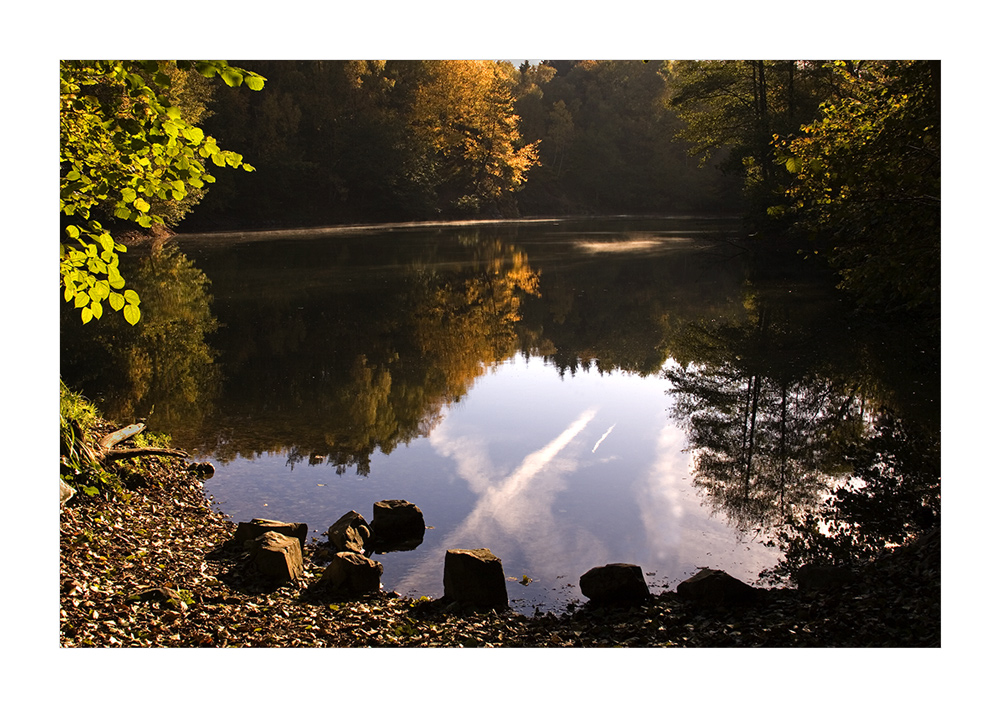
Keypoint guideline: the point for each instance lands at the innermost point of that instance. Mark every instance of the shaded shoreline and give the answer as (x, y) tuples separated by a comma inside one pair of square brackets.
[(169, 536)]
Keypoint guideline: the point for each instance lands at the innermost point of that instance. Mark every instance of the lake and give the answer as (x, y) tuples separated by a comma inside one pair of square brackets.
[(566, 393)]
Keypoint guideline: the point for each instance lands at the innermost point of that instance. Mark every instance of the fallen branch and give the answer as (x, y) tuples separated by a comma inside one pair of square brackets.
[(116, 454)]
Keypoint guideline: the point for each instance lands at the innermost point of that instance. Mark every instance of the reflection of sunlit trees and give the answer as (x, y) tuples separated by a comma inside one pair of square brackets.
[(162, 364), (331, 379), (466, 320)]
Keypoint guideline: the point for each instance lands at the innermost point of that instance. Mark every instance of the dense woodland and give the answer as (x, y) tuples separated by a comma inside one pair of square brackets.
[(397, 140), (833, 159)]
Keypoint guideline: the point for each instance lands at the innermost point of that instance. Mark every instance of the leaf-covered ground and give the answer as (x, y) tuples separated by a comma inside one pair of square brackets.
[(168, 536)]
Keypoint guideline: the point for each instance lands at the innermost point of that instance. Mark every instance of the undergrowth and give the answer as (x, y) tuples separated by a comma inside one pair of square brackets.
[(79, 420)]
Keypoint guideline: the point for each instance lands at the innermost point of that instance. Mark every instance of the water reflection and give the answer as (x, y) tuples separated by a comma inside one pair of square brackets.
[(163, 364), (509, 380), (768, 431)]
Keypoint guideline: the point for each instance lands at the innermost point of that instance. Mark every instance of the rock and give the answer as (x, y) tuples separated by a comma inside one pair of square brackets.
[(66, 492), (813, 577), (716, 587), (474, 577), (351, 575), (277, 557), (349, 533), (203, 470), (258, 526), (615, 583), (396, 525)]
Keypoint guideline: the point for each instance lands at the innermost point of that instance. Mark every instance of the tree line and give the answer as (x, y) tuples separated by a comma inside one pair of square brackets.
[(841, 158), (344, 141)]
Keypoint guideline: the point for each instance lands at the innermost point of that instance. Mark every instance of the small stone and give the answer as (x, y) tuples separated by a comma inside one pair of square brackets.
[(397, 525), (474, 577), (258, 526), (66, 492), (614, 583), (349, 533), (716, 587), (277, 557), (352, 575)]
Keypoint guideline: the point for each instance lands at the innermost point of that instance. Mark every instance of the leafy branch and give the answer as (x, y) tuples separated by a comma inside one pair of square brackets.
[(122, 148)]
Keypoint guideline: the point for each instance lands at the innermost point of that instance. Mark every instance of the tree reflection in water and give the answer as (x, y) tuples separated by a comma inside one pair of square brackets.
[(791, 432), (162, 364)]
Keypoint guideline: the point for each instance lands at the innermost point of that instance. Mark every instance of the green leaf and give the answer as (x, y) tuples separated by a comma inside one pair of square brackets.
[(255, 83), (80, 299), (116, 301), (131, 313), (231, 77), (207, 69), (97, 309), (86, 314), (194, 135), (73, 232), (132, 297), (99, 291), (141, 205)]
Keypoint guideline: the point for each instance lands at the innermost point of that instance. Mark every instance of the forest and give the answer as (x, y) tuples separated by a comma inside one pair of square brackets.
[(833, 159)]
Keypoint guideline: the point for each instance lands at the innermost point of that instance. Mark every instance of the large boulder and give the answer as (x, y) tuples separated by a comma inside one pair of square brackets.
[(716, 587), (349, 533), (615, 583), (351, 575), (258, 526), (474, 577), (396, 525), (276, 558)]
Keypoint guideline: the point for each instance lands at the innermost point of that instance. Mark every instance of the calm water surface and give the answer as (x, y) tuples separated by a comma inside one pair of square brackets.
[(521, 383)]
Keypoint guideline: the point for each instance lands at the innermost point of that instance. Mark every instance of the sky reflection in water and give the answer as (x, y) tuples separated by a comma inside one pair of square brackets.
[(554, 475)]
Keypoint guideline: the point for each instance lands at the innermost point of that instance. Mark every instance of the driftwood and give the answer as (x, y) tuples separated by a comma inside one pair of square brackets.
[(104, 451)]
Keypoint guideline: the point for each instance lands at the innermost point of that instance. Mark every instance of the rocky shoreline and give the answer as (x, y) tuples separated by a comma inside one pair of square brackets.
[(161, 570)]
